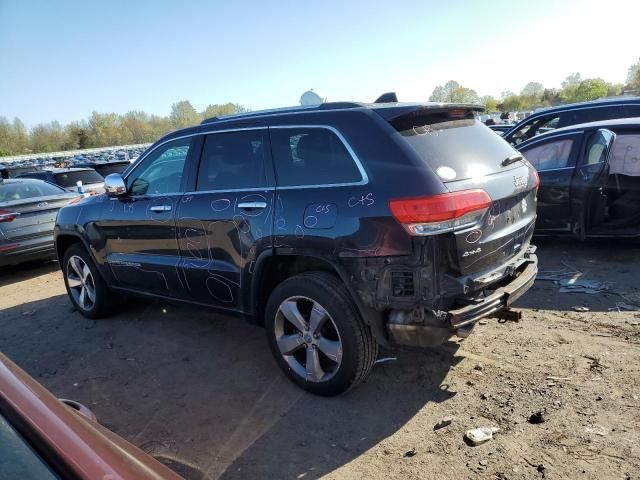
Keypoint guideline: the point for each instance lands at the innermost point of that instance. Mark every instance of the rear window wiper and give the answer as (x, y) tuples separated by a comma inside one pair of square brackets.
[(512, 159)]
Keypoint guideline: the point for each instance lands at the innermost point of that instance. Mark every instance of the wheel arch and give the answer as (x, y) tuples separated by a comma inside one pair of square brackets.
[(64, 240), (271, 269)]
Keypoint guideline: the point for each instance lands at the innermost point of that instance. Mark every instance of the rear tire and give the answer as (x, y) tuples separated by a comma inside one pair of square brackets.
[(86, 289), (317, 335)]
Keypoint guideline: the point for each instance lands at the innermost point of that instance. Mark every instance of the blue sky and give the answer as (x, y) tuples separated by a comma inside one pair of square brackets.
[(62, 60)]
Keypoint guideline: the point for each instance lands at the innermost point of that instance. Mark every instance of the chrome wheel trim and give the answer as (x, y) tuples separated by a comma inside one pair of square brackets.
[(81, 284), (308, 339)]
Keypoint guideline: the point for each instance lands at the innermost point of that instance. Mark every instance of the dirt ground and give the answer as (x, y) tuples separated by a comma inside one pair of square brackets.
[(202, 392)]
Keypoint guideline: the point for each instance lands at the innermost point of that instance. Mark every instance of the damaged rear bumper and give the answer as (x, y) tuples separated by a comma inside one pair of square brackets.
[(501, 298), (422, 329)]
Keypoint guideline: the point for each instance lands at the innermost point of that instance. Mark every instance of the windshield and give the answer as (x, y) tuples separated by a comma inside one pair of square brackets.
[(69, 179), (456, 149), (27, 189)]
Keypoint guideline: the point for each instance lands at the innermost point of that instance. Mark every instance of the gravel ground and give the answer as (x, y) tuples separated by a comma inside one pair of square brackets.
[(202, 393)]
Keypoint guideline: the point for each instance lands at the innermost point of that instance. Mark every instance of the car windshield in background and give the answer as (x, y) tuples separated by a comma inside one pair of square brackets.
[(27, 189), (18, 458), (70, 179), (105, 170), (456, 149)]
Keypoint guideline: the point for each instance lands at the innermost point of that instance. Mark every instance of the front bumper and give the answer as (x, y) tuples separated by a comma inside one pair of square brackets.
[(429, 330)]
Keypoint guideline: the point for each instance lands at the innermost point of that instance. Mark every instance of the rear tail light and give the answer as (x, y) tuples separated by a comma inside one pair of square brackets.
[(7, 216), (440, 213), (536, 178)]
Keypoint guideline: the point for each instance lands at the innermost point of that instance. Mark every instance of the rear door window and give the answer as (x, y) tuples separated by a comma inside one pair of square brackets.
[(233, 160), (456, 149), (550, 155), (312, 156)]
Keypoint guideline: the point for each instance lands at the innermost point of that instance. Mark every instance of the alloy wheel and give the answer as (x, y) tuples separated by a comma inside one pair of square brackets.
[(308, 339), (81, 284)]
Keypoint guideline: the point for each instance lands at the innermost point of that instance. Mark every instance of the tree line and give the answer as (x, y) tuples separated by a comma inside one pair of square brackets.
[(108, 129), (103, 129), (535, 95)]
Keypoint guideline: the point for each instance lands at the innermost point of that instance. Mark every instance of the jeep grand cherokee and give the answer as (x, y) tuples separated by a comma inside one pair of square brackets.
[(339, 228)]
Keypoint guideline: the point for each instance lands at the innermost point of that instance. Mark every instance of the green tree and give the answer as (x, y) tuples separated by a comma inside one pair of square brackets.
[(591, 89), (48, 137), (464, 95), (633, 76), (570, 86), (514, 103), (136, 128), (217, 110), (490, 103), (614, 89), (551, 97), (184, 115), (444, 93), (533, 90)]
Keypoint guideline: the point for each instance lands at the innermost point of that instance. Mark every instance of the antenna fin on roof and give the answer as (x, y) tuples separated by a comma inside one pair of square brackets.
[(389, 97)]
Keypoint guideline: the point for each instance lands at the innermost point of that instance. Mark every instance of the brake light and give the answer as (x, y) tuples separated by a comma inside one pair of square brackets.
[(7, 216), (440, 213), (457, 113), (536, 178), (75, 200)]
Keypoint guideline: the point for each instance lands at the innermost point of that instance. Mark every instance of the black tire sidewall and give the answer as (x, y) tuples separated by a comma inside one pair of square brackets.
[(345, 317), (100, 307)]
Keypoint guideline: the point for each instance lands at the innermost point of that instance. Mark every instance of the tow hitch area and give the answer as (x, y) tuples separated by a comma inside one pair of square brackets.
[(423, 328)]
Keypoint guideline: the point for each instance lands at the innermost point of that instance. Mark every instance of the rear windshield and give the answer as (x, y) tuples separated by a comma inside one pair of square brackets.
[(455, 149), (27, 189), (69, 179), (105, 170)]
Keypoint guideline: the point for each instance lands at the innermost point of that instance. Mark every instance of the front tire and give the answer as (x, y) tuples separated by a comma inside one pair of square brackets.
[(86, 288), (317, 335)]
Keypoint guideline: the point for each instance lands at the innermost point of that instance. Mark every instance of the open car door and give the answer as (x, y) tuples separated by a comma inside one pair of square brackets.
[(592, 166)]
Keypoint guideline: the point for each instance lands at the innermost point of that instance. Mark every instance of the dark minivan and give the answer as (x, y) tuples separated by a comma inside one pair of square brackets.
[(339, 228), (572, 114)]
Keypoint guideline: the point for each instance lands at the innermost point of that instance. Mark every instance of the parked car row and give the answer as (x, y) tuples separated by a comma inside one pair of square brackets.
[(78, 159)]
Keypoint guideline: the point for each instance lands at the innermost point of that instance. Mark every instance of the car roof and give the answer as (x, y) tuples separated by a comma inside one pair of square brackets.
[(386, 110), (596, 103), (616, 122)]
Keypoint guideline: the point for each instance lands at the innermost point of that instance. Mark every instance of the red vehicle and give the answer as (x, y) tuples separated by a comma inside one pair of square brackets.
[(44, 438)]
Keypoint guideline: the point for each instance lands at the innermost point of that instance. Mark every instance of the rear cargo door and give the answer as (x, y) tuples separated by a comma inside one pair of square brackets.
[(506, 228), (592, 165), (467, 155)]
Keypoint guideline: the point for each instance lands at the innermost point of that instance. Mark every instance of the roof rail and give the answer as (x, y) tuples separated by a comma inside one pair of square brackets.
[(273, 111)]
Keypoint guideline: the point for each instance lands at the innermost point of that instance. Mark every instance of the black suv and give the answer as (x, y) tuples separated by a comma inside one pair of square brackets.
[(339, 228)]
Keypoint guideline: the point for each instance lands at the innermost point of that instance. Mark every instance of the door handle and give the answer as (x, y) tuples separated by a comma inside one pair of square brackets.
[(250, 205), (161, 208)]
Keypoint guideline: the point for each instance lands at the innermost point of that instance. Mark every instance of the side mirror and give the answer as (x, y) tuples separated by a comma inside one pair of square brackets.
[(114, 185)]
